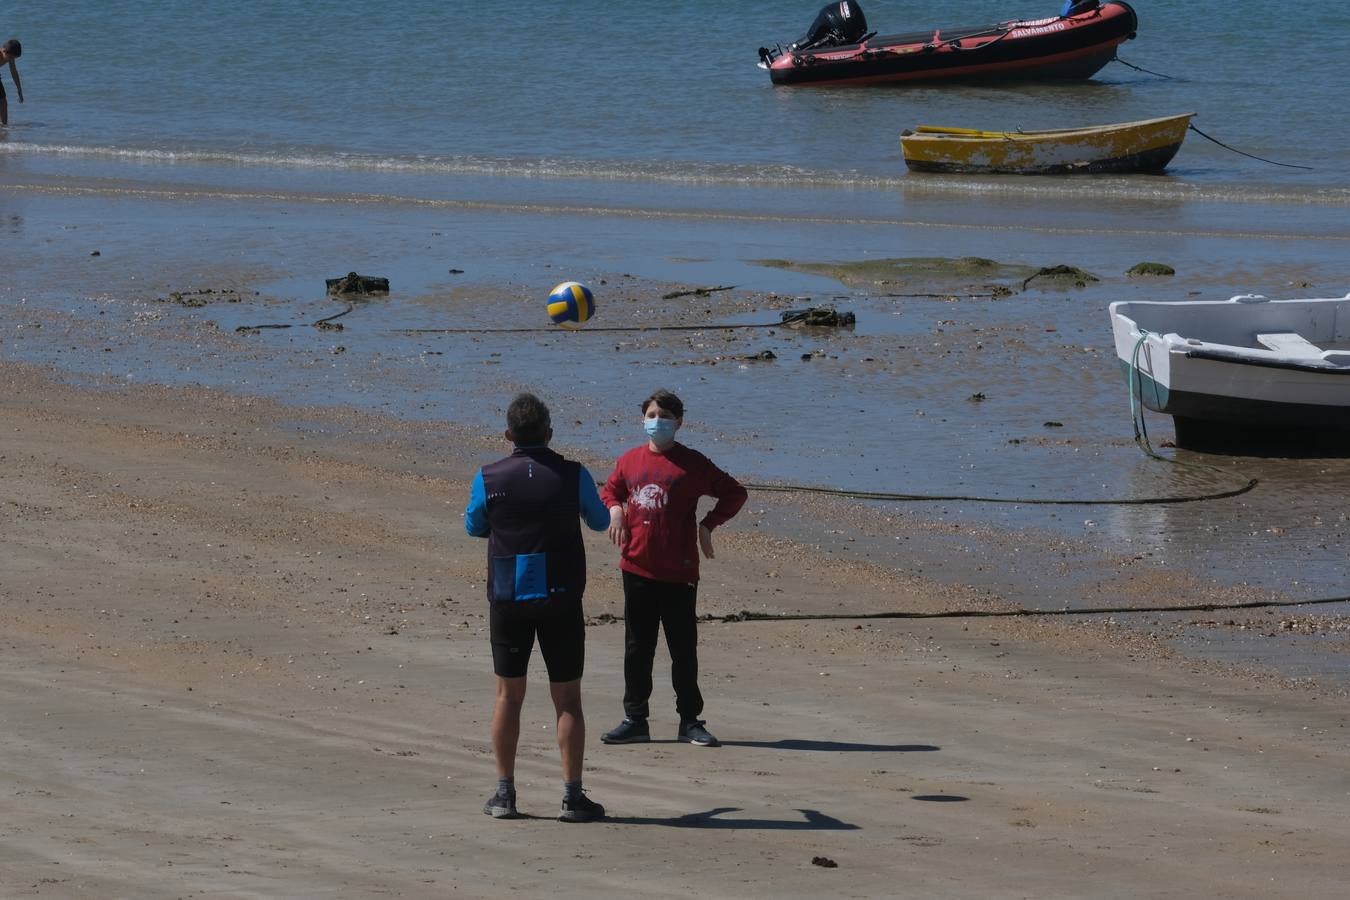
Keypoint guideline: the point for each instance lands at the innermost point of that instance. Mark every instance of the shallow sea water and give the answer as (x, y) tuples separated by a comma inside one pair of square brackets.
[(345, 88)]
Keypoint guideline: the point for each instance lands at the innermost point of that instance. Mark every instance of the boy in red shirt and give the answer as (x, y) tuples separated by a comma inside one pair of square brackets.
[(652, 496)]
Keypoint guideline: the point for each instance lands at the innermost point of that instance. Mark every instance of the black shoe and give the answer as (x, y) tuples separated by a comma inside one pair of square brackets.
[(582, 809), (629, 731), (693, 732), (501, 806)]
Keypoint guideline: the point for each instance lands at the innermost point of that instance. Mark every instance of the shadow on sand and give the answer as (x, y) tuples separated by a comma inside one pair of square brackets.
[(812, 820)]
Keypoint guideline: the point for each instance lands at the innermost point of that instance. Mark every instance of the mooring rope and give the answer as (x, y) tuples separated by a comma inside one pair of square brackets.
[(1140, 436), (1021, 501), (1136, 380), (1136, 386), (253, 329), (327, 319), (554, 329), (749, 616), (1142, 69), (1207, 137), (896, 497), (1242, 153), (610, 329)]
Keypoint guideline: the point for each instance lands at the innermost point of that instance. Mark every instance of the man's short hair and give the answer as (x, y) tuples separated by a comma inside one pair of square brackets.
[(13, 48), (666, 400), (528, 419)]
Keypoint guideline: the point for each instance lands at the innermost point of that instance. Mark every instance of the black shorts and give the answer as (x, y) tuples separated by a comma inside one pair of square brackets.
[(560, 627)]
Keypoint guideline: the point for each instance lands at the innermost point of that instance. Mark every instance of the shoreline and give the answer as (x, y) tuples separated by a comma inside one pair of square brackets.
[(247, 652), (1187, 178)]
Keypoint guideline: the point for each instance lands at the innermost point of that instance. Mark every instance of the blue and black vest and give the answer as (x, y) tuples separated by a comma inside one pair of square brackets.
[(535, 551)]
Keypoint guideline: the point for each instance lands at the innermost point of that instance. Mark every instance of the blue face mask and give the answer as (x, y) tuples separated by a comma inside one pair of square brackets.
[(659, 430)]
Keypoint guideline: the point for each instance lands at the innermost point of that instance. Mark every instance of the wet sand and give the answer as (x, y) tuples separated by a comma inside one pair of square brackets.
[(244, 634), (942, 388), (245, 655)]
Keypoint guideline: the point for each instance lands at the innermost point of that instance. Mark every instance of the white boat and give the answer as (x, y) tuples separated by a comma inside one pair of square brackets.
[(1244, 373)]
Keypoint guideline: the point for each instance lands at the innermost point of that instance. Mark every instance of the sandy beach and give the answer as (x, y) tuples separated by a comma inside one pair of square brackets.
[(245, 655)]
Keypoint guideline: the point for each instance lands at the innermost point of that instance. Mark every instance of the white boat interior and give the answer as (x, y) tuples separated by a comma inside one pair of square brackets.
[(1305, 332)]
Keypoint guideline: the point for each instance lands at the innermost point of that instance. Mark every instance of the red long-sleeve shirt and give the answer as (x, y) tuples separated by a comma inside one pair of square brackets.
[(660, 493)]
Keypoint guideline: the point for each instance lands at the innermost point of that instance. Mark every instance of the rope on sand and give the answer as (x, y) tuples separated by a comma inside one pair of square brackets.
[(323, 324), (553, 329), (748, 616), (968, 498), (1140, 437), (1136, 382), (327, 319), (896, 497)]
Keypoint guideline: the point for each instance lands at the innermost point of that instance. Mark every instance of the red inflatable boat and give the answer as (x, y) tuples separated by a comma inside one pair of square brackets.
[(840, 50)]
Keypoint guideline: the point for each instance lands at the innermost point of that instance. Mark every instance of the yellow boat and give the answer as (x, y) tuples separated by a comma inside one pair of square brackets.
[(1144, 146)]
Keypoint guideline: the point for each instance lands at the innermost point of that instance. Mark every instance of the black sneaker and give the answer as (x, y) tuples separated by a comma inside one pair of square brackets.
[(629, 731), (582, 809), (501, 806), (693, 732)]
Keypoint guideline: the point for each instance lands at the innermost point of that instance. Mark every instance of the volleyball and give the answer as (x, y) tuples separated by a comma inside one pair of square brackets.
[(570, 304)]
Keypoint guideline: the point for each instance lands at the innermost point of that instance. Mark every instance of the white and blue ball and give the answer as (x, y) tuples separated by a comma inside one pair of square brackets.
[(570, 304)]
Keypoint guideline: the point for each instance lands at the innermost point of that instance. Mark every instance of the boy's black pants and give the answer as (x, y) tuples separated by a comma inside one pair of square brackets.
[(648, 606)]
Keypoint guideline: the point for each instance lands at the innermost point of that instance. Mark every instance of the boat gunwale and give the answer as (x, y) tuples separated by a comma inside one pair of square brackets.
[(1211, 351), (951, 133)]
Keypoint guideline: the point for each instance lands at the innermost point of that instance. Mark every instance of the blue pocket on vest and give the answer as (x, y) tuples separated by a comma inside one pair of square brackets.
[(520, 577)]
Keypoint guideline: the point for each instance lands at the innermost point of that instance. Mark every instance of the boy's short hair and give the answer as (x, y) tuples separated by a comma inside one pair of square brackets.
[(13, 48), (528, 419), (666, 400)]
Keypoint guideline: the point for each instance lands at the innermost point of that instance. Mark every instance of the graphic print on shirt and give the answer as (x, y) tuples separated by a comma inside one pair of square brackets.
[(650, 496)]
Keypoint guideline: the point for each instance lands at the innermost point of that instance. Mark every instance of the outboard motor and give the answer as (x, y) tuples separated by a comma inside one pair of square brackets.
[(838, 23)]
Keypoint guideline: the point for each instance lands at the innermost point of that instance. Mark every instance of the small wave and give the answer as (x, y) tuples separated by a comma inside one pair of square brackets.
[(1139, 187), (495, 166), (676, 172)]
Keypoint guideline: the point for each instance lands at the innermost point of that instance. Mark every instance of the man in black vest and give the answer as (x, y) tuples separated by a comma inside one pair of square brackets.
[(527, 506)]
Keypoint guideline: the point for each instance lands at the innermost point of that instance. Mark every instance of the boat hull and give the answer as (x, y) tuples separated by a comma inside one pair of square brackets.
[(1230, 405), (1074, 47), (1229, 397), (1145, 146)]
